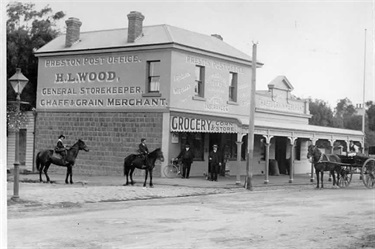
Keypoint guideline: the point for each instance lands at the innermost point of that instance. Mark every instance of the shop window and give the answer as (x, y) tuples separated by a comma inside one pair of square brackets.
[(233, 86), (244, 147), (153, 68), (196, 141), (230, 146), (263, 148), (199, 81)]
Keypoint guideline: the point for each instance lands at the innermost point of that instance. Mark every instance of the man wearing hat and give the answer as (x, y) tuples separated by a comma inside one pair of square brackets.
[(186, 156), (61, 148), (143, 150), (215, 162)]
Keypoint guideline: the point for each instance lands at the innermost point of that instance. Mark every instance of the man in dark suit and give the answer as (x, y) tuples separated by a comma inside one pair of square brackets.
[(215, 162), (186, 157)]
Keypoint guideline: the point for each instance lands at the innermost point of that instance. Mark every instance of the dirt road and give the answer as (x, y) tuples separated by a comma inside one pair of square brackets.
[(294, 217)]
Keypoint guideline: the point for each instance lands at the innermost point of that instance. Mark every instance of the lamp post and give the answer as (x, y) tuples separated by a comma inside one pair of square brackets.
[(18, 81)]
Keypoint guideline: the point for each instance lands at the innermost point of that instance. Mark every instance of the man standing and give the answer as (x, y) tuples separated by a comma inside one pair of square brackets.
[(215, 162), (186, 157)]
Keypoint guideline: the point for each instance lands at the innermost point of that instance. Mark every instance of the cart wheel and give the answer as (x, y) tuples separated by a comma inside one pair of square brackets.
[(345, 178), (368, 173), (170, 171)]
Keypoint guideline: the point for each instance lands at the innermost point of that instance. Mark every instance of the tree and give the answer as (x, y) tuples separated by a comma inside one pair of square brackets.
[(322, 114), (371, 115), (28, 29), (346, 114)]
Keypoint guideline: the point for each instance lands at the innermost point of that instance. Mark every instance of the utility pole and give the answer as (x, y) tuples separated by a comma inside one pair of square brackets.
[(364, 88), (250, 138)]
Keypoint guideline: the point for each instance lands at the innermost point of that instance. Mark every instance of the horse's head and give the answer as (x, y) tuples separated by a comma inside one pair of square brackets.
[(313, 153), (82, 145), (160, 155)]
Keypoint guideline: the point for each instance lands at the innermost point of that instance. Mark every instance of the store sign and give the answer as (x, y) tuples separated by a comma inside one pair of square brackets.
[(185, 124)]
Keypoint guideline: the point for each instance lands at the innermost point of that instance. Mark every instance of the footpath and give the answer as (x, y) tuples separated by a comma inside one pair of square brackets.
[(93, 189)]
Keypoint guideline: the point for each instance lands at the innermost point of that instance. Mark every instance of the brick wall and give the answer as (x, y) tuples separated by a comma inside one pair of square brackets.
[(109, 136)]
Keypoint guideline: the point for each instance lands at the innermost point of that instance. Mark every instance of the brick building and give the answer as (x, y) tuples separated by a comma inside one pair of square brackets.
[(171, 86)]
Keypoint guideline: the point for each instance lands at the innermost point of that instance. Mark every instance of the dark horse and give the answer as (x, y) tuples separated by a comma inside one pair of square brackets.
[(135, 161), (324, 162), (44, 159)]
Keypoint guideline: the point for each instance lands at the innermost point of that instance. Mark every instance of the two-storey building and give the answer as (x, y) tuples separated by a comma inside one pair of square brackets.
[(171, 86)]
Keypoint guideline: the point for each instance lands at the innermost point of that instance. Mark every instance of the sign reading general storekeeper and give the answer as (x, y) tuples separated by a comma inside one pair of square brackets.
[(191, 124)]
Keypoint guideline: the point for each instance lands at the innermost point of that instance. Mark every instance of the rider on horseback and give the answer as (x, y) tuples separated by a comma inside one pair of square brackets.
[(143, 150), (61, 149)]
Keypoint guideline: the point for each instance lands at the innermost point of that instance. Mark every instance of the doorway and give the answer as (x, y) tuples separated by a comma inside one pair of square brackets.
[(281, 144)]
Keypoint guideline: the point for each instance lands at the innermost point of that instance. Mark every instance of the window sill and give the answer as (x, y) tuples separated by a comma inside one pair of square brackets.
[(231, 102), (199, 98), (151, 95)]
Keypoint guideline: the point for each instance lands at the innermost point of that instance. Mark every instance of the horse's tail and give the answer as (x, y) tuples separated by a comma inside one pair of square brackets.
[(37, 161), (125, 166)]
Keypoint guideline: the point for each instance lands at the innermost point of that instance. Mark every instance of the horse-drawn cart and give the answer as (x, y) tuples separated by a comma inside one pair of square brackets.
[(344, 166), (357, 164)]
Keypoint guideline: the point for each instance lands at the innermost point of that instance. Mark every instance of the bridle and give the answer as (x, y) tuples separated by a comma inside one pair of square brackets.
[(321, 156)]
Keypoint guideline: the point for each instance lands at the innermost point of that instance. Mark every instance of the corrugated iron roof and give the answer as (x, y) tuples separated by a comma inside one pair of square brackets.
[(152, 35)]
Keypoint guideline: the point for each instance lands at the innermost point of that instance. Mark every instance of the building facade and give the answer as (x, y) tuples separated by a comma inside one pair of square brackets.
[(171, 86)]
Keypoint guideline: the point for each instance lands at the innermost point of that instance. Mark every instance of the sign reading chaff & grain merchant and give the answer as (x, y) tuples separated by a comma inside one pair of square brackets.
[(189, 124)]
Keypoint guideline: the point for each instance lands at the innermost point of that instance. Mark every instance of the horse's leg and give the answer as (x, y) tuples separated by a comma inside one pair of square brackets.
[(67, 175), (131, 176), (126, 175), (40, 172), (151, 185), (46, 170), (330, 176), (317, 178), (146, 175), (321, 176), (71, 174), (333, 177)]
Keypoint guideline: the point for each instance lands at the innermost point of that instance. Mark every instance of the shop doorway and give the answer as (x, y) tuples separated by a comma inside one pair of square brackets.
[(281, 144), (215, 138)]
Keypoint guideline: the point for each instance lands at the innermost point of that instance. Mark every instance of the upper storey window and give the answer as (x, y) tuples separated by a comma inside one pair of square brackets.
[(233, 87), (153, 76), (199, 81)]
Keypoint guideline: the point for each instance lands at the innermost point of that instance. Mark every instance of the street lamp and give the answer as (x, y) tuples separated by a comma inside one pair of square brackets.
[(18, 81)]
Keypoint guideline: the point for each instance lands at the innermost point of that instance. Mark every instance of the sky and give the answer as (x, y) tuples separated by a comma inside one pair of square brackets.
[(319, 46)]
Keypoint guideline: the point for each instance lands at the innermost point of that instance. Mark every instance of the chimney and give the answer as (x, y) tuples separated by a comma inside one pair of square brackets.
[(217, 36), (73, 26), (135, 25)]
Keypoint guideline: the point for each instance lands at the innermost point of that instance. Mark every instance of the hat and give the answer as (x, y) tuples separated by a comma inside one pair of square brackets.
[(143, 139), (215, 145), (187, 145), (61, 136)]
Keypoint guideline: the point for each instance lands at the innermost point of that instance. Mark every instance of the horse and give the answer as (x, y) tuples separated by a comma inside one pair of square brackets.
[(322, 162), (44, 159), (135, 161)]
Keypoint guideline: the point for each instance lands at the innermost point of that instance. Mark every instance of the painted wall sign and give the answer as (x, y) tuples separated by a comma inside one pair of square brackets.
[(94, 81), (213, 64), (280, 104), (187, 124)]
